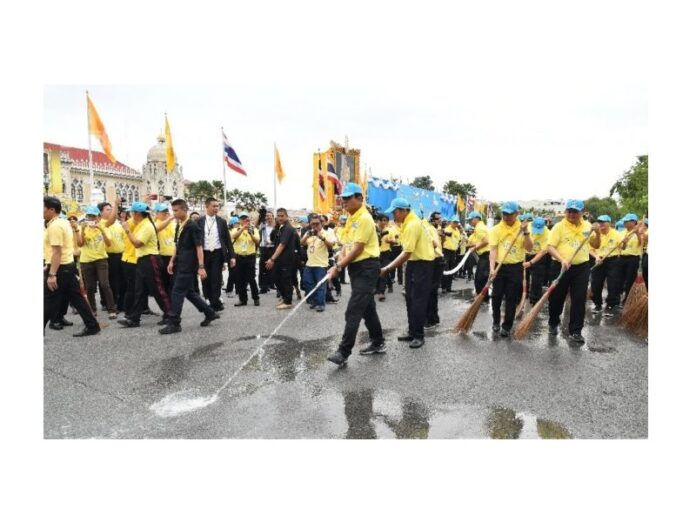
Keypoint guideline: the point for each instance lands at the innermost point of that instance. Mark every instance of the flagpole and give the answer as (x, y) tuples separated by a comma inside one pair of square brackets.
[(224, 170), (89, 149), (275, 203)]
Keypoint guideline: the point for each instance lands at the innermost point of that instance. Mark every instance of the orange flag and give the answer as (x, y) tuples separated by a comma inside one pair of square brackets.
[(96, 128), (278, 167)]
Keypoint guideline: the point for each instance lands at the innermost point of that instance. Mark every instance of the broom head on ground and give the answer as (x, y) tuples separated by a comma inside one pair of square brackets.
[(635, 319)]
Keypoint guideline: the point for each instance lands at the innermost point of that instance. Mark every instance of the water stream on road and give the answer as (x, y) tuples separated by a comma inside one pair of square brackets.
[(185, 401)]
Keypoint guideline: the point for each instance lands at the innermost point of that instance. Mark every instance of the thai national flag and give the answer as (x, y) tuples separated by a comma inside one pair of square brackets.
[(322, 191), (331, 173), (231, 158)]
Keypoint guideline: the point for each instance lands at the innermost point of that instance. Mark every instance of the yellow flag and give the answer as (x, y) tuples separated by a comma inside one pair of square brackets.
[(54, 170), (169, 146), (96, 128), (461, 205), (278, 167)]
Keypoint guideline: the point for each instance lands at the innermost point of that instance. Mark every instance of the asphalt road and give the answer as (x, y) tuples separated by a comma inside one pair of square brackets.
[(456, 386)]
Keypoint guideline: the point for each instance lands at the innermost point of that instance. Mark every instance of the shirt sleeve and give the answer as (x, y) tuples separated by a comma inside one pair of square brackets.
[(364, 231), (55, 237), (196, 235), (409, 237), (555, 235), (493, 238), (144, 233), (285, 236)]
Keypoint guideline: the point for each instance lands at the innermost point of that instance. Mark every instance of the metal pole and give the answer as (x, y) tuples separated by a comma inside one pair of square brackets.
[(89, 145), (275, 204), (224, 170)]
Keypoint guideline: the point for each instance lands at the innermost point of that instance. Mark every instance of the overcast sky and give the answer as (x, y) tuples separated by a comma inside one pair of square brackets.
[(559, 114)]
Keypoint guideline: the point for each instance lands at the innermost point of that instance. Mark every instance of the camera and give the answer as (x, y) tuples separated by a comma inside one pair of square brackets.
[(383, 233), (313, 233)]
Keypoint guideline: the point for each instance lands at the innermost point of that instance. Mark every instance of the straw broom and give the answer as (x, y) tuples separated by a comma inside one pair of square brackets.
[(520, 307), (83, 292), (635, 312), (526, 323), (467, 320)]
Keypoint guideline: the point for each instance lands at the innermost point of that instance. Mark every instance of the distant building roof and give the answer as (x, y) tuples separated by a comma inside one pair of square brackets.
[(99, 160)]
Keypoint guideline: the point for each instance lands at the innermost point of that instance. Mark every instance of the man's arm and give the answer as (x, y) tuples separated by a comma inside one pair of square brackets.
[(557, 256), (163, 224), (52, 281), (347, 259)]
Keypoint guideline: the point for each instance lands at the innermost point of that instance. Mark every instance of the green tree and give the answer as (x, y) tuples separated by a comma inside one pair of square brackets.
[(423, 182), (632, 188), (219, 187), (455, 188), (598, 206)]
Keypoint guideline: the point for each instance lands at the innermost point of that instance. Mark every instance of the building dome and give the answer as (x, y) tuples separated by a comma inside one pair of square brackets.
[(157, 153)]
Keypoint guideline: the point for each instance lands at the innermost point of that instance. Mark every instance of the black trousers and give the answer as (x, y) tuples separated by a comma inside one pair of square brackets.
[(212, 285), (336, 281), (361, 305), (384, 282), (536, 278), (68, 286), (482, 272), (418, 278), (116, 280), (450, 261), (183, 288), (468, 267), (629, 271), (148, 281), (609, 271), (573, 282), (128, 271), (167, 280), (265, 275), (431, 315), (246, 276), (508, 284), (396, 251), (284, 281), (645, 269), (232, 280)]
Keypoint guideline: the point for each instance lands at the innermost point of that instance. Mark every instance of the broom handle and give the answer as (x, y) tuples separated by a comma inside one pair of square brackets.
[(617, 246), (495, 272), (563, 271)]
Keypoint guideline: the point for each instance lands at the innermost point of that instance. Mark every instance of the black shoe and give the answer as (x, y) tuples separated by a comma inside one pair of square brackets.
[(103, 308), (162, 322), (263, 291), (577, 338), (170, 329), (332, 301), (597, 309), (374, 348), (55, 326), (218, 307), (257, 302), (504, 332), (405, 337), (553, 330), (128, 323), (238, 304), (87, 331), (63, 322), (209, 318), (147, 311), (390, 290), (416, 343), (337, 358), (429, 326), (496, 327)]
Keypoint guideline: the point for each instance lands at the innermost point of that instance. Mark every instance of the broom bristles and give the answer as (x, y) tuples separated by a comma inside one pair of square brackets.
[(466, 321), (526, 323), (635, 319), (637, 289)]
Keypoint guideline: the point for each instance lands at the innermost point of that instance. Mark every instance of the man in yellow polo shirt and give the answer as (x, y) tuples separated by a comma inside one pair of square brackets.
[(360, 253), (148, 280), (631, 250), (478, 241), (566, 237), (60, 273), (245, 240), (166, 230), (437, 235), (114, 251), (418, 250), (509, 241), (318, 243), (537, 260), (606, 267), (386, 239), (450, 245)]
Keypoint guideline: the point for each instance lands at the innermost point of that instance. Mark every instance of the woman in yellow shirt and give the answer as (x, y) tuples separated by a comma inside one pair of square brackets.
[(607, 267), (93, 239), (631, 250)]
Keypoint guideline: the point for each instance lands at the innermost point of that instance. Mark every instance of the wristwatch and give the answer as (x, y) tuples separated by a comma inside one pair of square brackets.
[(201, 266), (52, 275)]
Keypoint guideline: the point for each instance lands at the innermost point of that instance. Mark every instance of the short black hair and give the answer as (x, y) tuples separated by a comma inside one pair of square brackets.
[(380, 217), (180, 203), (208, 201), (196, 213), (434, 215), (52, 203), (101, 206), (281, 209)]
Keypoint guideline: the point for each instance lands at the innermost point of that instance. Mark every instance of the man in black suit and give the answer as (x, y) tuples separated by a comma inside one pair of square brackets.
[(217, 252)]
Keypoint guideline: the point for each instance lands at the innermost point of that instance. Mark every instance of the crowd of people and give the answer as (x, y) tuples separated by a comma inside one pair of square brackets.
[(171, 254)]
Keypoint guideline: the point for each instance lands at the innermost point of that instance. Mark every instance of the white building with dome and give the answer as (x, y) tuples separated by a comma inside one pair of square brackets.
[(113, 179)]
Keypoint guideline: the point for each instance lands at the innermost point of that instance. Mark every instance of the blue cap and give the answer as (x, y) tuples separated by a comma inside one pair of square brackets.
[(454, 219), (351, 189), (92, 211), (630, 217), (399, 203), (509, 207), (538, 225), (139, 206), (575, 204), (243, 215), (645, 222), (233, 220), (604, 219), (472, 215), (525, 217), (620, 225), (303, 219), (161, 207)]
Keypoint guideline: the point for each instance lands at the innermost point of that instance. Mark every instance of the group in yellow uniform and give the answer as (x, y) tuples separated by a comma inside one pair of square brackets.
[(607, 267), (93, 240)]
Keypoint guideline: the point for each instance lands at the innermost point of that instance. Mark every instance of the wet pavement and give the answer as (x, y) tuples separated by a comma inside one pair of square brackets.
[(457, 386)]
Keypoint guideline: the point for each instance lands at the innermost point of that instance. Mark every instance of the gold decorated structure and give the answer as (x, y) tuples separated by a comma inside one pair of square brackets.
[(346, 165)]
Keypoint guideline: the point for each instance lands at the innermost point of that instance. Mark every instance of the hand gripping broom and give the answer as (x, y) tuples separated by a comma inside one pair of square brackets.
[(526, 323), (467, 320)]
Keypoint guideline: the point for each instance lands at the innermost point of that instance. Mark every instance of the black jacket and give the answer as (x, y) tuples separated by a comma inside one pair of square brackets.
[(225, 240)]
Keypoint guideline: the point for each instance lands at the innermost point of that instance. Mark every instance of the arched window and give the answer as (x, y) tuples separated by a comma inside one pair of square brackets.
[(101, 185), (148, 187), (160, 187), (175, 190), (130, 196), (136, 194), (76, 192)]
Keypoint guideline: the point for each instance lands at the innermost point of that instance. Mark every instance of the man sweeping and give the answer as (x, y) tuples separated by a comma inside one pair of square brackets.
[(607, 267)]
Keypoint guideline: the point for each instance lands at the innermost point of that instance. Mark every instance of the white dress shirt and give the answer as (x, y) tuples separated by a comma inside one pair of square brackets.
[(211, 237)]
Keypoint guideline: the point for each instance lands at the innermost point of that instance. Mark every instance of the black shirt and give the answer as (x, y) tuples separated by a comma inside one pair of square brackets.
[(187, 238), (287, 236)]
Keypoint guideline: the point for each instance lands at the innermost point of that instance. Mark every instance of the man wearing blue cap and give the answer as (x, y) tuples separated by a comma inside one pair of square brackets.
[(232, 272), (360, 254), (450, 244), (164, 222), (607, 267), (565, 239), (437, 235), (631, 250), (245, 241), (508, 247), (536, 260), (419, 251), (478, 242)]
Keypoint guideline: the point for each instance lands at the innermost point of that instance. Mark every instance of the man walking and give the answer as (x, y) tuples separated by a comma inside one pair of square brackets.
[(217, 252), (284, 259), (245, 241), (318, 246), (607, 267)]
